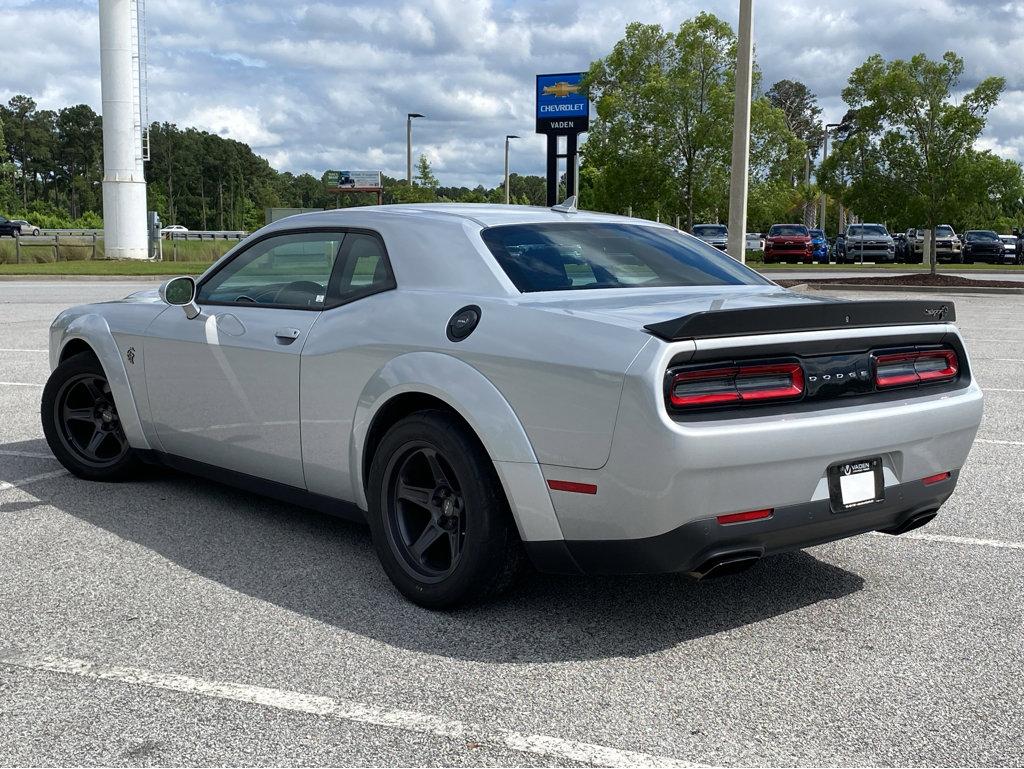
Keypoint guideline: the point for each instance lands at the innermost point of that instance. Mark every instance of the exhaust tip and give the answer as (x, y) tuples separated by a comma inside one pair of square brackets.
[(913, 522), (725, 564)]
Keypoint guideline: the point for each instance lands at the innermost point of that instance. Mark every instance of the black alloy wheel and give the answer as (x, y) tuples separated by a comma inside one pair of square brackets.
[(81, 422), (440, 521), (426, 512), (87, 420)]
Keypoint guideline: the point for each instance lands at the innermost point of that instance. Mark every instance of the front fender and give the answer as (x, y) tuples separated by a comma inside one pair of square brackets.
[(479, 402), (94, 331)]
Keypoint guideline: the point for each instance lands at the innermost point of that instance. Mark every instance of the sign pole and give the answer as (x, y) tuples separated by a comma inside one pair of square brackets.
[(739, 179)]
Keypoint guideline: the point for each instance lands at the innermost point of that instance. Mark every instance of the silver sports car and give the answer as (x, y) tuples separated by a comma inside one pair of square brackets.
[(487, 385)]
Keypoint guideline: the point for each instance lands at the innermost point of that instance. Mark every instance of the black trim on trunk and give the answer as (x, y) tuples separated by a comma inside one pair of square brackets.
[(819, 316)]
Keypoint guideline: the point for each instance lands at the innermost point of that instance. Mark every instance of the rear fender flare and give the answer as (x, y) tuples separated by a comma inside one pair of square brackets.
[(470, 394)]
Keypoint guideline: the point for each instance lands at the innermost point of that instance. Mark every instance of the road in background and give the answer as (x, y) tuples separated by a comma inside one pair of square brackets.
[(173, 620)]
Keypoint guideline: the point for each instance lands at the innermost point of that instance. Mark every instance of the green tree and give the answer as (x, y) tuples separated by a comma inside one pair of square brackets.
[(909, 151), (662, 137), (424, 175)]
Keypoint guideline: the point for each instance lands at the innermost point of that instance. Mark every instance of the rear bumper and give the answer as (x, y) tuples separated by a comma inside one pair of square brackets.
[(664, 474), (690, 547)]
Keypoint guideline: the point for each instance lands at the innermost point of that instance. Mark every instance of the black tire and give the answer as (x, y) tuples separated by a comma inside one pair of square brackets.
[(81, 424), (474, 552)]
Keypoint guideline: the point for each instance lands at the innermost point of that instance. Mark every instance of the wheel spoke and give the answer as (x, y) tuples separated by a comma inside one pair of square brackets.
[(428, 537), (440, 479), (455, 543), (418, 495), (79, 415), (96, 393), (96, 441)]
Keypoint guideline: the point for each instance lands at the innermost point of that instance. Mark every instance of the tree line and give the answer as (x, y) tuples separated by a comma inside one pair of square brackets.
[(659, 146)]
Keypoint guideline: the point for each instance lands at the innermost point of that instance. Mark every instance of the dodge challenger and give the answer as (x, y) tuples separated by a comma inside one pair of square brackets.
[(488, 386)]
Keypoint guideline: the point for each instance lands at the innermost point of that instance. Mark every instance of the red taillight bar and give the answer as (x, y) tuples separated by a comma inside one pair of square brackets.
[(752, 515), (931, 480), (907, 368), (736, 384)]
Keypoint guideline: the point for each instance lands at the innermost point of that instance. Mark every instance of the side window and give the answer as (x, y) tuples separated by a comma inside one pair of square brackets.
[(291, 270), (363, 270)]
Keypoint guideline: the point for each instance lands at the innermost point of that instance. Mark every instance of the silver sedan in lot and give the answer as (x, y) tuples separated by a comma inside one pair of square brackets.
[(482, 383)]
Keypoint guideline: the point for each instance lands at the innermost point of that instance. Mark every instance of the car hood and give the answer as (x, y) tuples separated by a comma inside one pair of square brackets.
[(145, 296), (636, 308), (868, 237), (792, 238)]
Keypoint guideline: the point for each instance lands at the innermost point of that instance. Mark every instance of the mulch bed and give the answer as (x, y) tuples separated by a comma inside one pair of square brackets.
[(914, 279)]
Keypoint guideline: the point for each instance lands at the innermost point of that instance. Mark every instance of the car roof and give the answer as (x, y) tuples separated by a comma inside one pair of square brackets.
[(482, 214)]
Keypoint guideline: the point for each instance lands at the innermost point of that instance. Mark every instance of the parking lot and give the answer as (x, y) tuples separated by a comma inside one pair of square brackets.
[(173, 620)]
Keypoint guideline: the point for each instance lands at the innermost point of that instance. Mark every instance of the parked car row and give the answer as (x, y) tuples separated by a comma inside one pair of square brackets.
[(868, 242), (11, 227)]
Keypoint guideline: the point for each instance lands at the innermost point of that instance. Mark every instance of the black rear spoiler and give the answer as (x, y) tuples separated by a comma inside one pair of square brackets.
[(781, 319)]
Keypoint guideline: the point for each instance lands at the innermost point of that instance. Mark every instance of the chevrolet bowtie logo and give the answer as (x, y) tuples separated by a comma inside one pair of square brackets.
[(561, 89)]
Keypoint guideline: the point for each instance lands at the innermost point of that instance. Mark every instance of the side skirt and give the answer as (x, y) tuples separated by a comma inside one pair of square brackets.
[(279, 491)]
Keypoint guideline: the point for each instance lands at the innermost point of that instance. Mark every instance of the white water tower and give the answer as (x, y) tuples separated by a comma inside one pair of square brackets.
[(122, 72)]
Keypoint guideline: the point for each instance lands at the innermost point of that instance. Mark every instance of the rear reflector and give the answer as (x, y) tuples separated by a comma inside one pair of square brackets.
[(753, 515), (736, 384), (931, 480), (909, 368), (577, 488)]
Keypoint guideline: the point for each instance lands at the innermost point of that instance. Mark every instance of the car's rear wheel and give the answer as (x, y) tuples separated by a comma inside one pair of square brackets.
[(81, 423), (441, 525)]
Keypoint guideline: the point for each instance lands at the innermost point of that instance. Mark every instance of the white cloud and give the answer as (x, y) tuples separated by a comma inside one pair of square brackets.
[(323, 84)]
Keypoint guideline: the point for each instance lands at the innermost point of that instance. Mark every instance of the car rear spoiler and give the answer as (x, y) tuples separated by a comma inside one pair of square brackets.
[(815, 316)]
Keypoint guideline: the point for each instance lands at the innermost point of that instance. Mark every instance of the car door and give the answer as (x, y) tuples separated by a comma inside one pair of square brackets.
[(224, 386)]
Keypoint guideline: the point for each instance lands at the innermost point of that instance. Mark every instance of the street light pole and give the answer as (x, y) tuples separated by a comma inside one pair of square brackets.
[(408, 145), (824, 157), (507, 138), (739, 182)]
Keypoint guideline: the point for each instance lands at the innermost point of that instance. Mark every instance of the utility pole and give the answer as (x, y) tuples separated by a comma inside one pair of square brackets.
[(507, 139), (408, 145), (824, 157), (738, 182)]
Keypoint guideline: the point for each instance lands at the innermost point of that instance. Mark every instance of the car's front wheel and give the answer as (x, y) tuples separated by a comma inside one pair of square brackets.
[(81, 423), (441, 525)]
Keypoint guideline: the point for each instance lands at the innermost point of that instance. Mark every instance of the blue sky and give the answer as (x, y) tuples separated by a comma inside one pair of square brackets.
[(317, 85)]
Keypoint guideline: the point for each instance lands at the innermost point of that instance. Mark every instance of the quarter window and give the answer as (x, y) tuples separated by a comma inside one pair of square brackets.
[(363, 270)]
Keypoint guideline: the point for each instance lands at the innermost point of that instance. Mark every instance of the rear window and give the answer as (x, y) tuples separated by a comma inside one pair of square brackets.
[(562, 257), (787, 229), (710, 230)]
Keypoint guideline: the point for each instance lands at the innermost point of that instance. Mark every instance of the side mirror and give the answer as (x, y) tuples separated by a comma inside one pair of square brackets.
[(181, 292)]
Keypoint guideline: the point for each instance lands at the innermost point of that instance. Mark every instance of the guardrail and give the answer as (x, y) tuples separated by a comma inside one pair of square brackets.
[(206, 235), (98, 232), (55, 242)]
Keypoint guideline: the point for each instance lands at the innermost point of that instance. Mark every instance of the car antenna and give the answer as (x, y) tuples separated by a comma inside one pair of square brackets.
[(567, 206)]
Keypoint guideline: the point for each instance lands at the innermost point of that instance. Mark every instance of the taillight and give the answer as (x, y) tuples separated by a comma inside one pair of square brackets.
[(754, 383), (915, 367)]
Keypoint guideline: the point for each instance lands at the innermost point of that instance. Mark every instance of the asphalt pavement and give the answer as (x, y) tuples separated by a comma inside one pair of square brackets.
[(175, 621)]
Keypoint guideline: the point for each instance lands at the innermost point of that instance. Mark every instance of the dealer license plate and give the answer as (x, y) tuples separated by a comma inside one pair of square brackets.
[(856, 483)]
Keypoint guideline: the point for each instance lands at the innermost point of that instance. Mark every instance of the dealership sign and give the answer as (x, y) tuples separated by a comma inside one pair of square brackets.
[(353, 180), (562, 106)]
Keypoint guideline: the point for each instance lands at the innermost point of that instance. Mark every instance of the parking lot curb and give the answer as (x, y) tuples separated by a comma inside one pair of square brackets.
[(907, 289), (88, 278)]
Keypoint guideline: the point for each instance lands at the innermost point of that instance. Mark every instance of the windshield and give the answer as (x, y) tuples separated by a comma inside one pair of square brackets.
[(817, 234), (945, 231), (787, 229), (860, 230), (561, 257), (710, 230), (986, 235)]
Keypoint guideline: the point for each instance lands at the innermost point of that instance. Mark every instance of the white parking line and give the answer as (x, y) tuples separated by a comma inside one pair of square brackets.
[(4, 485), (999, 443), (26, 454), (1000, 543), (20, 384), (346, 710)]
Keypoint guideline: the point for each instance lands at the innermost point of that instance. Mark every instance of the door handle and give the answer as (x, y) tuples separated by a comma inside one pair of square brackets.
[(287, 334)]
